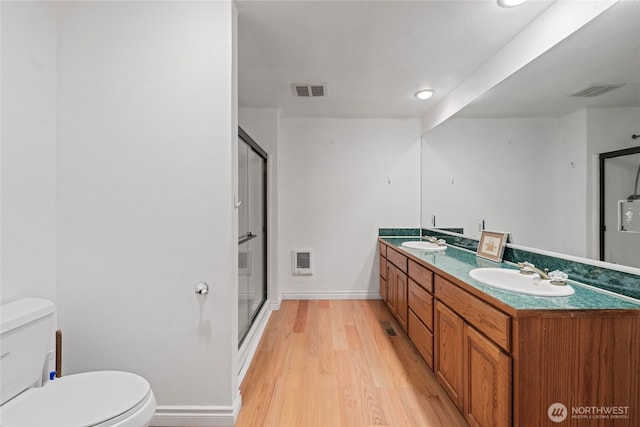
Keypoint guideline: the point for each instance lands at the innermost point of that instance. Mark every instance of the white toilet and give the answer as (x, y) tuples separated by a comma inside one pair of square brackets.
[(98, 399)]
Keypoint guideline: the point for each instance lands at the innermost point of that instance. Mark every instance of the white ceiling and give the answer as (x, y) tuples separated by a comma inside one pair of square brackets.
[(372, 55), (606, 50)]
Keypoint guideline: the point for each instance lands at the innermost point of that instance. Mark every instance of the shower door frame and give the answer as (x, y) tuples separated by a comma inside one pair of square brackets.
[(244, 136), (603, 157)]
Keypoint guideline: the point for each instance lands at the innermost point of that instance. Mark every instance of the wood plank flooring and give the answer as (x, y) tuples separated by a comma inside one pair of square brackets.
[(330, 363)]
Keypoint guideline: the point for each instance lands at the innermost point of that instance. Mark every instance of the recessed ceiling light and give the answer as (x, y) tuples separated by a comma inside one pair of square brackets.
[(424, 94), (510, 3)]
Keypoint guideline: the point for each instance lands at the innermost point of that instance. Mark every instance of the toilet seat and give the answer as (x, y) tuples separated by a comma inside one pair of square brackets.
[(96, 399)]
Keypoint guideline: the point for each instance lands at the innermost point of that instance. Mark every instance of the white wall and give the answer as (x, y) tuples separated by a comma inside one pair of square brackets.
[(571, 213), (146, 137), (28, 231), (339, 181), (500, 170)]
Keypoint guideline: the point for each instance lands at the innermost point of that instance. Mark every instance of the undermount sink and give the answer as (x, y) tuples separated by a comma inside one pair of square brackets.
[(514, 281), (424, 246)]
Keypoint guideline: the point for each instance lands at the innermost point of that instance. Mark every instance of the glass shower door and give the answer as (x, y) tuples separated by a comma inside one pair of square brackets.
[(620, 239), (252, 232)]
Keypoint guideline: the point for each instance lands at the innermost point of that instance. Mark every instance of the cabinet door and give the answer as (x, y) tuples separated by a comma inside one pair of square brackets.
[(391, 287), (448, 352), (383, 289), (487, 388), (383, 267), (401, 299)]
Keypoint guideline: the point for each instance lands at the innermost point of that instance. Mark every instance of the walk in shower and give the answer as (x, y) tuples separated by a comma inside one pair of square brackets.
[(252, 231)]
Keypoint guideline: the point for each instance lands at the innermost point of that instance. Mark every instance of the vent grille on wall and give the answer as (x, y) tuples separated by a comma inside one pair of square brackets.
[(597, 89), (309, 90), (301, 262)]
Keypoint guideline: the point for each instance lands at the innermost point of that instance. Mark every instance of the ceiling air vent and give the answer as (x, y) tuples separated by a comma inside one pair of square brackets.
[(597, 89), (309, 90)]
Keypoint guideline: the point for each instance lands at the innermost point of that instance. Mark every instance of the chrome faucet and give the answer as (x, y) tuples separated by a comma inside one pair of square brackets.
[(528, 268)]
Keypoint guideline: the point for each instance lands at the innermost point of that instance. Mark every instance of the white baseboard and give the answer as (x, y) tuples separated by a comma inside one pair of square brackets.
[(250, 344), (293, 295), (197, 416)]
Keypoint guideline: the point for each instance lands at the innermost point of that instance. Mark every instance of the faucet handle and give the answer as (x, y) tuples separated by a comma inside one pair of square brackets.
[(558, 278), (526, 267)]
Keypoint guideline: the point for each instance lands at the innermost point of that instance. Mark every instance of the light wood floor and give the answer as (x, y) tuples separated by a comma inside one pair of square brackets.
[(330, 364)]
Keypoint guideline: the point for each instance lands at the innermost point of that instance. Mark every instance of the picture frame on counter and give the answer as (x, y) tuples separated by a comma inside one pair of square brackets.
[(492, 244)]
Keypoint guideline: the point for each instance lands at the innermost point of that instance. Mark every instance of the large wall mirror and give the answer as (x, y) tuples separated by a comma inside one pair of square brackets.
[(523, 158)]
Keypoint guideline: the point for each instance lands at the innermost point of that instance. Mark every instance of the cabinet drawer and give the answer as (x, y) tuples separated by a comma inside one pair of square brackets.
[(383, 249), (421, 337), (383, 267), (490, 321), (421, 302), (397, 259), (421, 275)]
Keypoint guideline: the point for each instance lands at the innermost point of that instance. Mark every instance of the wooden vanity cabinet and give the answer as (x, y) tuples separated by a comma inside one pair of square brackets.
[(461, 338), (504, 367)]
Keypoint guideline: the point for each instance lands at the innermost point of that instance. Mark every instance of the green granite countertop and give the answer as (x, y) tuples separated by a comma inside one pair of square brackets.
[(459, 262)]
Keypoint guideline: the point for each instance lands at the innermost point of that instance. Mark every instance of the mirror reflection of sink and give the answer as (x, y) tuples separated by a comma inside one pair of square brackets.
[(424, 246), (512, 280)]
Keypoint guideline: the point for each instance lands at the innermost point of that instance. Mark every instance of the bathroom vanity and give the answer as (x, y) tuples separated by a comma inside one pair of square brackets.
[(508, 359)]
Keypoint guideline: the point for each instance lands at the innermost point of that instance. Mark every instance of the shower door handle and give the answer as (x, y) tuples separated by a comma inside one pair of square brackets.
[(246, 238)]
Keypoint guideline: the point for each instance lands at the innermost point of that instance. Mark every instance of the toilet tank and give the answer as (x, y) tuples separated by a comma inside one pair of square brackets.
[(25, 328)]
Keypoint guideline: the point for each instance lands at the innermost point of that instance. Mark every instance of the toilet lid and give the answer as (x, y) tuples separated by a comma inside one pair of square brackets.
[(78, 400)]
